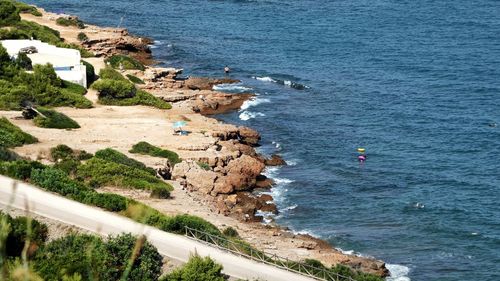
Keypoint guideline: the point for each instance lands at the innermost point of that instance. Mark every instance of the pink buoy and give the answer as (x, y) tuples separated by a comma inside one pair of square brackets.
[(362, 158)]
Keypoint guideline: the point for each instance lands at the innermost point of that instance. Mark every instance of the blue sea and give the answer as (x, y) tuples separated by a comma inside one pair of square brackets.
[(415, 83)]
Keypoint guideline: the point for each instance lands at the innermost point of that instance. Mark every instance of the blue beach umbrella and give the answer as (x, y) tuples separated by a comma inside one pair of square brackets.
[(179, 124)]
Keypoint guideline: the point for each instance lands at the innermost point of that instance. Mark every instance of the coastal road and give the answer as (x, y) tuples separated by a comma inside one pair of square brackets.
[(178, 247)]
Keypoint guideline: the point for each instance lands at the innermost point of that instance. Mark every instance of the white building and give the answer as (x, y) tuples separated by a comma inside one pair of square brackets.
[(66, 62)]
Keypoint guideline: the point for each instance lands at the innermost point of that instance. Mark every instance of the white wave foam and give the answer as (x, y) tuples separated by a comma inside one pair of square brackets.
[(247, 115), (265, 79), (253, 102), (289, 208), (398, 272), (282, 181), (306, 232), (239, 88), (292, 162), (277, 145)]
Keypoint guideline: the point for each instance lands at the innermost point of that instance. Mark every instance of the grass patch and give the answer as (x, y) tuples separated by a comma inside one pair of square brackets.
[(125, 61), (134, 79), (54, 119), (112, 155), (149, 149), (141, 98), (98, 172), (12, 136), (203, 165), (71, 21)]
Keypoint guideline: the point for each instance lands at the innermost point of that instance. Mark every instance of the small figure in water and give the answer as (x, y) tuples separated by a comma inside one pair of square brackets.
[(227, 69), (362, 158)]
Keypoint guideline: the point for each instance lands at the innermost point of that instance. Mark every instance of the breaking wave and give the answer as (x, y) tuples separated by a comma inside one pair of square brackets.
[(233, 88), (253, 102), (288, 83), (247, 115)]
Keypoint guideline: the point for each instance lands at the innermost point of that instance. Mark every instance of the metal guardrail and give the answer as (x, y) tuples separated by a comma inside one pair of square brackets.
[(247, 251)]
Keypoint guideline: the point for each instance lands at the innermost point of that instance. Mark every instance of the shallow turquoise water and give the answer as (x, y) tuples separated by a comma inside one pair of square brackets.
[(416, 83)]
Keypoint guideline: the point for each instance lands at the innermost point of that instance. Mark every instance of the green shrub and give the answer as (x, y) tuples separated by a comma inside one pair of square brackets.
[(82, 37), (149, 149), (90, 73), (55, 180), (134, 79), (197, 268), (125, 61), (230, 232), (7, 155), (70, 22), (83, 52), (9, 14), (27, 9), (74, 88), (12, 136), (54, 119), (110, 73), (99, 172), (112, 155), (26, 30), (141, 98), (146, 266), (23, 61), (17, 233), (203, 165), (61, 152), (114, 89), (178, 223), (20, 169)]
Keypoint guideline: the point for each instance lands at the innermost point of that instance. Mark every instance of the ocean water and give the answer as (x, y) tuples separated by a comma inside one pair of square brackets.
[(416, 83)]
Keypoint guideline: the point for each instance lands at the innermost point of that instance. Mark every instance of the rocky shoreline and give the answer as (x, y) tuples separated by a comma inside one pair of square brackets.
[(221, 168)]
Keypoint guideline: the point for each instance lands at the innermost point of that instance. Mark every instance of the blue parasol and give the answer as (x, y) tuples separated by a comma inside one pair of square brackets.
[(179, 124)]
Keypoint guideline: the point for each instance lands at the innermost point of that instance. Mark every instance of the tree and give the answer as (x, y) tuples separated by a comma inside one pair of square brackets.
[(9, 14), (23, 61), (4, 57)]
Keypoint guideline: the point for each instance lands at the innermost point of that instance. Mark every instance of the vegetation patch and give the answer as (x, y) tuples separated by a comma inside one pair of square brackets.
[(134, 79), (8, 155), (112, 155), (110, 73), (114, 89), (98, 172), (9, 14), (203, 165), (27, 9), (197, 268), (89, 72), (17, 234), (70, 21), (149, 149), (125, 62), (82, 37), (12, 136), (54, 119), (42, 87)]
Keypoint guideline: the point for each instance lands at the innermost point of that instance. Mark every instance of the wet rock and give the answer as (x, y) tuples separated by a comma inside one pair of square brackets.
[(204, 83), (275, 160), (249, 136)]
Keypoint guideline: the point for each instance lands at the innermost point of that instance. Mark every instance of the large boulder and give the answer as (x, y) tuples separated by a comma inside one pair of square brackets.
[(241, 174), (249, 136), (195, 177)]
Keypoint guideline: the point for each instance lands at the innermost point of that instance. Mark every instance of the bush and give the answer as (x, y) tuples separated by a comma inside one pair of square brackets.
[(112, 155), (12, 136), (23, 61), (54, 119), (148, 149), (74, 88), (90, 73), (146, 266), (125, 61), (203, 165), (230, 232), (7, 155), (110, 73), (20, 169), (114, 89), (82, 37), (28, 9), (83, 52), (134, 79), (17, 234), (99, 172), (26, 30), (61, 152), (55, 180), (9, 14), (141, 98), (197, 268), (71, 21)]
